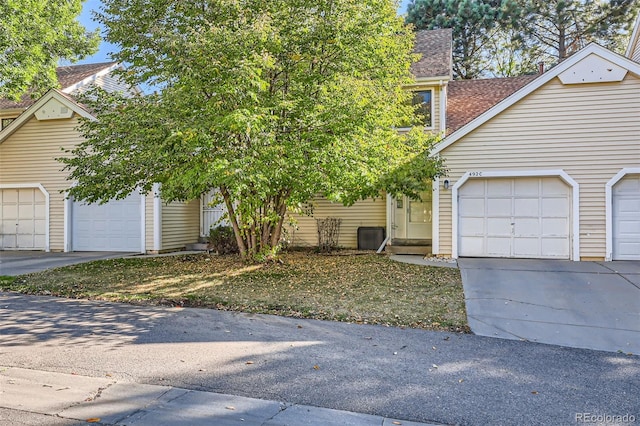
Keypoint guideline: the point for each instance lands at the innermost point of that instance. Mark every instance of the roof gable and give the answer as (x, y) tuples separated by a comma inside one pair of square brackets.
[(70, 77), (573, 62), (53, 104)]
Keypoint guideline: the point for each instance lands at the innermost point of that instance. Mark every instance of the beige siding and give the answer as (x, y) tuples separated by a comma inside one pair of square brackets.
[(28, 156), (109, 83), (363, 213), (180, 224), (590, 131)]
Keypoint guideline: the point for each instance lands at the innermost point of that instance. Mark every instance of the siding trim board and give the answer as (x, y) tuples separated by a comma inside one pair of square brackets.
[(46, 204), (481, 174), (609, 207)]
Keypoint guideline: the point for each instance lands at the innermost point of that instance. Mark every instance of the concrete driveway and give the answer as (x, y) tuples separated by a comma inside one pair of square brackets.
[(25, 262), (592, 305)]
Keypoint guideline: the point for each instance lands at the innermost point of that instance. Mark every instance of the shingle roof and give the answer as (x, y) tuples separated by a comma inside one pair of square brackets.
[(435, 47), (67, 76), (467, 99)]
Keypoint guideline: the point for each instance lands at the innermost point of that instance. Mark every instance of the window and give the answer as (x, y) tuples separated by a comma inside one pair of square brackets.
[(422, 99)]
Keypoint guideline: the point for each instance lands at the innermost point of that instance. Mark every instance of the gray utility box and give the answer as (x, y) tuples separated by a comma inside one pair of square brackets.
[(370, 237)]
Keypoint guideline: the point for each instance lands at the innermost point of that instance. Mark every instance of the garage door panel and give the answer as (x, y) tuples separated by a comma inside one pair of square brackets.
[(526, 227), (114, 226), (524, 217), (472, 226), (555, 207), (526, 187), (498, 187), (526, 247), (499, 226), (626, 218), (554, 227), (553, 187), (498, 207), (526, 207), (556, 247), (472, 206), (498, 246)]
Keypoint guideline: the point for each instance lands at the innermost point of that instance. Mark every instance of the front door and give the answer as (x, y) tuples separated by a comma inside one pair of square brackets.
[(419, 216)]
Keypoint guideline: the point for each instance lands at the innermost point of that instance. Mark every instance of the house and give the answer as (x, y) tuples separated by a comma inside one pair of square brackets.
[(544, 166), (35, 213)]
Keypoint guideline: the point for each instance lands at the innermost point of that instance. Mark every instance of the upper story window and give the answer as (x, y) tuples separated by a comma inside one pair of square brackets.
[(423, 100)]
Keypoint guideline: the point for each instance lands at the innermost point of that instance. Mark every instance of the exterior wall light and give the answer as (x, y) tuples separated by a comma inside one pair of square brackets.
[(445, 184)]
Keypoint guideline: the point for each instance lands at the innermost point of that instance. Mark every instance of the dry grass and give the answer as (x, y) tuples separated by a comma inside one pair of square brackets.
[(356, 288)]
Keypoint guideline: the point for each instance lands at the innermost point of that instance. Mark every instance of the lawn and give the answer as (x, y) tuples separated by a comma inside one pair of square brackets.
[(360, 288)]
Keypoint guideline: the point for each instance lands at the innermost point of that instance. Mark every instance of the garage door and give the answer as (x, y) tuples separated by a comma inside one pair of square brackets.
[(626, 218), (114, 226), (23, 222), (514, 217)]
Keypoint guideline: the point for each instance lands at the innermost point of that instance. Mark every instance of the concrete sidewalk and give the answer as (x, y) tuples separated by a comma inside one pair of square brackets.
[(41, 397)]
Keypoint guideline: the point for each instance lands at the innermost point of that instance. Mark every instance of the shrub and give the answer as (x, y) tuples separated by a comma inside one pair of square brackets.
[(222, 240)]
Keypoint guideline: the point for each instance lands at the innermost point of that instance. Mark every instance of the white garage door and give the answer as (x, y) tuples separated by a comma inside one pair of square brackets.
[(514, 217), (114, 226), (626, 218), (23, 222)]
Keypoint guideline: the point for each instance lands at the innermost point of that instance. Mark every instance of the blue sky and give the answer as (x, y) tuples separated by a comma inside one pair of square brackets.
[(102, 55)]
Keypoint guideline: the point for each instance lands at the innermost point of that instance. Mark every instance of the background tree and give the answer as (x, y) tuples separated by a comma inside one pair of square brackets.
[(34, 36), (270, 102), (509, 37), (562, 27), (474, 23)]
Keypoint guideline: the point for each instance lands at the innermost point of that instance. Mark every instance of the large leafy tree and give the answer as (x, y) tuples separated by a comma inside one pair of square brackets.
[(34, 36), (474, 24), (270, 102)]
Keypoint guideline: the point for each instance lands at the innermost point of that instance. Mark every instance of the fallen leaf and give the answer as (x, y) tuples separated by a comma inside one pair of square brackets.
[(446, 338), (460, 380), (396, 423), (534, 392), (249, 362), (434, 365), (64, 388), (299, 326), (47, 386), (316, 367), (433, 347), (93, 420), (230, 407)]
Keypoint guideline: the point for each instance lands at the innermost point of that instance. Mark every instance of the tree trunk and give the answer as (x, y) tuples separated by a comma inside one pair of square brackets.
[(234, 222)]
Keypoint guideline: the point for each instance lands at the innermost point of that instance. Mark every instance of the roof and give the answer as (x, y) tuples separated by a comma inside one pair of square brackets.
[(467, 99), (68, 76), (533, 85), (436, 47)]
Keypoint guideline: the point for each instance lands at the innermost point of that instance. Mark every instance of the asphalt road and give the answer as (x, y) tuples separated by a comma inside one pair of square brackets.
[(402, 373)]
